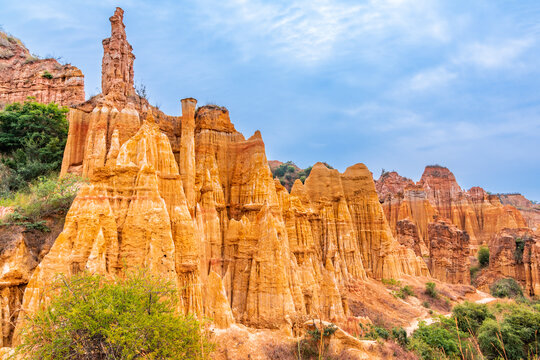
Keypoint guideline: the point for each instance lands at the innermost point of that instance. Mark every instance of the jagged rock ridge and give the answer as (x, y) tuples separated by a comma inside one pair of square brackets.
[(433, 214), (195, 202)]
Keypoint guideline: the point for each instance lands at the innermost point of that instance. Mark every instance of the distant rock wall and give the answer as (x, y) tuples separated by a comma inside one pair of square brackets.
[(23, 75)]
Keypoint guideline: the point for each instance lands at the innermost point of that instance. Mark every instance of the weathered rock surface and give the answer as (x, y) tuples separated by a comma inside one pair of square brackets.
[(449, 253), (20, 253), (195, 202), (514, 253), (23, 75), (530, 211), (438, 196)]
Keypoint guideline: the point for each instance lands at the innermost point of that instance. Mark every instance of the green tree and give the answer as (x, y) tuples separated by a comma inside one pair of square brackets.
[(470, 316), (483, 256), (131, 318), (32, 141)]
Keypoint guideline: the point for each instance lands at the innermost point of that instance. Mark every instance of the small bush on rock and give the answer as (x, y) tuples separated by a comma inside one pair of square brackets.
[(506, 288)]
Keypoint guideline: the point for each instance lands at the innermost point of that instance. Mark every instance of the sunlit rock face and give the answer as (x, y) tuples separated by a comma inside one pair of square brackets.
[(438, 196), (529, 210), (194, 201), (515, 253), (449, 253), (23, 75)]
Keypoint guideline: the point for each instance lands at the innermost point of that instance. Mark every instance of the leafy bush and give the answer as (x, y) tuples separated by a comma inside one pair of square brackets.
[(432, 340), (470, 316), (391, 282), (405, 292), (45, 197), (442, 340), (400, 336), (374, 332), (32, 141), (426, 304), (515, 337), (46, 75), (474, 271), (92, 318), (483, 256), (431, 291), (518, 252), (315, 344), (506, 288)]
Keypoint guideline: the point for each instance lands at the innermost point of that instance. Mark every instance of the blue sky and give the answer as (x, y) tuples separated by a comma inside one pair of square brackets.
[(395, 84)]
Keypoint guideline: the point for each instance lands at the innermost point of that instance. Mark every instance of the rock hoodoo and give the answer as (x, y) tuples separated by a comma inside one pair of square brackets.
[(194, 201), (24, 75)]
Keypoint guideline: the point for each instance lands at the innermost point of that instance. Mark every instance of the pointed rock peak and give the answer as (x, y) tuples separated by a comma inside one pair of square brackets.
[(117, 64), (298, 187), (357, 170), (256, 136)]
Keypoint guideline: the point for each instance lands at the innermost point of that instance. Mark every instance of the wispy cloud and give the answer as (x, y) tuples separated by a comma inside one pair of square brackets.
[(311, 31), (431, 78), (494, 54)]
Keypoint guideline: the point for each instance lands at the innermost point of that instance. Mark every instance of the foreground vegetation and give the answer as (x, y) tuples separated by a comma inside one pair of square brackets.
[(32, 141), (131, 318)]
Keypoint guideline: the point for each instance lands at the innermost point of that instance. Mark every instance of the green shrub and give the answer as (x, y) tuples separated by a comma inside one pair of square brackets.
[(32, 141), (506, 288), (47, 196), (499, 341), (315, 344), (474, 271), (470, 316), (400, 336), (132, 318), (437, 337), (46, 75), (483, 256), (405, 292), (426, 304), (431, 291), (518, 252), (391, 282)]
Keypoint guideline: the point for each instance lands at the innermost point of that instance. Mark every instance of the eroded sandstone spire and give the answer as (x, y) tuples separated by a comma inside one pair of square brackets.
[(117, 65)]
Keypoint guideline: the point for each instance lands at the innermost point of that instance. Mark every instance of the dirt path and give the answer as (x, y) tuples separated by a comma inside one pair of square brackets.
[(428, 319)]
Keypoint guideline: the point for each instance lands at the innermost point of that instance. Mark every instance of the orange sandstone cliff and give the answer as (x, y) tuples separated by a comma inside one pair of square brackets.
[(23, 75), (194, 201)]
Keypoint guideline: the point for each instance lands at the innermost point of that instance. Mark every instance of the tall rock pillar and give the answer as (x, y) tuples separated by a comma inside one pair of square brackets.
[(117, 65), (187, 150)]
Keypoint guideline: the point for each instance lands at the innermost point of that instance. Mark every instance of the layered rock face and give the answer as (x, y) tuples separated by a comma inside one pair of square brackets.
[(193, 201), (438, 196), (530, 211), (23, 75), (434, 216), (515, 253), (449, 253), (20, 253)]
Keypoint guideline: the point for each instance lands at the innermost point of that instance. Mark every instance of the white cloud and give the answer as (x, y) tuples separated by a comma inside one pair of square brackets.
[(495, 54), (310, 31), (431, 78)]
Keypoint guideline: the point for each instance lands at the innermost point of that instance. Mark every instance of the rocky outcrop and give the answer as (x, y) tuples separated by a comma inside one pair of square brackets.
[(515, 253), (529, 210), (24, 75), (438, 196), (449, 253), (20, 252), (194, 201)]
